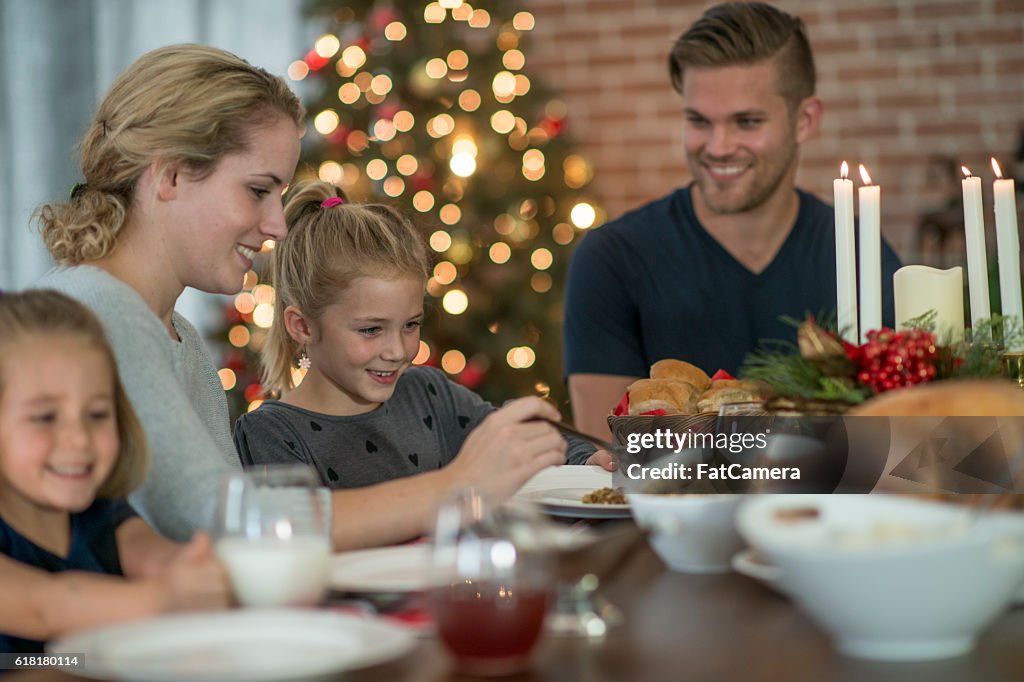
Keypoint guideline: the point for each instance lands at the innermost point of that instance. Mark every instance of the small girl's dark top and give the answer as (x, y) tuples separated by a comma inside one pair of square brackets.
[(93, 549)]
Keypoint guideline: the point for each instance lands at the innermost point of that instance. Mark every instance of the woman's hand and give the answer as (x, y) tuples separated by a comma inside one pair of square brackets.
[(196, 579), (508, 447)]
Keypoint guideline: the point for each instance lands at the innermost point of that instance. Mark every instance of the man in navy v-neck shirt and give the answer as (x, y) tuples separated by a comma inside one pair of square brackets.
[(705, 273)]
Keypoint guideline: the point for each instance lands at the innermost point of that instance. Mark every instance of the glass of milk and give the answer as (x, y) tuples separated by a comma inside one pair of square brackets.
[(273, 535)]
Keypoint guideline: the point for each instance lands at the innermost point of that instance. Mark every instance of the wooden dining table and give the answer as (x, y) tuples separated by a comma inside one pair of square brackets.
[(706, 628)]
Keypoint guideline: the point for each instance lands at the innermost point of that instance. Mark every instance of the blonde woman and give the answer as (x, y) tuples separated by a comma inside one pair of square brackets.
[(184, 167)]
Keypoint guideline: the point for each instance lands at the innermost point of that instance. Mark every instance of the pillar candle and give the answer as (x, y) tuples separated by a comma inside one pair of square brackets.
[(846, 275), (870, 276), (919, 289), (977, 261), (1008, 242)]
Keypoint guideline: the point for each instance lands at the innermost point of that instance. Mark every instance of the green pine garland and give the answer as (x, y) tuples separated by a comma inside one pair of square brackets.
[(791, 375), (780, 365)]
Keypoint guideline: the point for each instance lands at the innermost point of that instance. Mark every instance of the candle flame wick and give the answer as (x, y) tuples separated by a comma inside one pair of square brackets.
[(995, 167), (966, 170), (864, 175), (844, 170)]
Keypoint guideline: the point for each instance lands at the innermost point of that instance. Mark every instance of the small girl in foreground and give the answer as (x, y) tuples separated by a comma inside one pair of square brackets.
[(349, 284), (71, 449)]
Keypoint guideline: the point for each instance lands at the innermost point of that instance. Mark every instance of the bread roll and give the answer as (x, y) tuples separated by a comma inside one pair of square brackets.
[(727, 383), (675, 397), (712, 401), (726, 391), (678, 370)]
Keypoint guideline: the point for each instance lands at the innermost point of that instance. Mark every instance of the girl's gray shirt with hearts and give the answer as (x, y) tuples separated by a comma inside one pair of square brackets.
[(420, 428)]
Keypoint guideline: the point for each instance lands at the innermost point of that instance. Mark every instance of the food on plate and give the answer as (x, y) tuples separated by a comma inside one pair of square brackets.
[(797, 514), (889, 533), (679, 370), (605, 496)]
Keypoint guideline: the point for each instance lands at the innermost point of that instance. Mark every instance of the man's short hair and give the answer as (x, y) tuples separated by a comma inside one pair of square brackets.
[(745, 33)]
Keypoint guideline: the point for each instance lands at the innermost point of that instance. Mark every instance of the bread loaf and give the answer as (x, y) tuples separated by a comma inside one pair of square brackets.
[(953, 398)]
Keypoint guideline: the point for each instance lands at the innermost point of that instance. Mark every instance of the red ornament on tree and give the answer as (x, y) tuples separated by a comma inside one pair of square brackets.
[(380, 18), (420, 181), (339, 136), (315, 61), (387, 110), (234, 361), (232, 315), (253, 391), (552, 126), (471, 376)]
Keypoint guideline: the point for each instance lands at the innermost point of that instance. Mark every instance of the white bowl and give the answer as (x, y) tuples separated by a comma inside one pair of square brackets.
[(750, 563), (891, 578), (691, 533)]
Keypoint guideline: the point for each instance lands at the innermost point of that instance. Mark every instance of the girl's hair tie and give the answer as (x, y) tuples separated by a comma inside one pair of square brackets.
[(331, 201), (77, 189)]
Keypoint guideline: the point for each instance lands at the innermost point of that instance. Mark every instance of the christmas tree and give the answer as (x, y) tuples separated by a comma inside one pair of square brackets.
[(429, 107)]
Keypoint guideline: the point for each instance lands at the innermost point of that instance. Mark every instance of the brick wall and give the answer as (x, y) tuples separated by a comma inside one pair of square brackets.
[(902, 81)]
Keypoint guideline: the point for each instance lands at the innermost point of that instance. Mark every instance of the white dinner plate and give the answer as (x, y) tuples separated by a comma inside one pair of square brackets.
[(256, 645), (568, 476), (568, 502), (401, 568)]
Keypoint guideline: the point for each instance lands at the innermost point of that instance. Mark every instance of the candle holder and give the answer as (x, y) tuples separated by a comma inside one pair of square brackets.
[(1013, 366)]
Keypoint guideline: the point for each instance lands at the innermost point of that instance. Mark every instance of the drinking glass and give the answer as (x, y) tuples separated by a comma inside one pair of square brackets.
[(273, 535), (490, 608), (582, 562)]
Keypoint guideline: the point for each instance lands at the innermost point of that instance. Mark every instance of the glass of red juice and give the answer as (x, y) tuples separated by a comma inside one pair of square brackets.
[(490, 609)]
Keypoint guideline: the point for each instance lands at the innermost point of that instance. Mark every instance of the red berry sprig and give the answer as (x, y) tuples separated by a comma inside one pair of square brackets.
[(892, 359)]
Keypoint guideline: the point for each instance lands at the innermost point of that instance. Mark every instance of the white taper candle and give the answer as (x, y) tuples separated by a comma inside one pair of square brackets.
[(977, 261), (846, 275), (1008, 243), (870, 276)]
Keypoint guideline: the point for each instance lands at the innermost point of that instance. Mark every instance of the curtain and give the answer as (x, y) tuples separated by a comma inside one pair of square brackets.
[(58, 57)]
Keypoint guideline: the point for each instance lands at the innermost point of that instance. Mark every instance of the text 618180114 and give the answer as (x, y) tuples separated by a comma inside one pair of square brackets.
[(30, 661)]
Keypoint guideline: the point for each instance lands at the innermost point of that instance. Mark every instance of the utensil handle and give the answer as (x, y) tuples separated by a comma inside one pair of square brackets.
[(579, 435)]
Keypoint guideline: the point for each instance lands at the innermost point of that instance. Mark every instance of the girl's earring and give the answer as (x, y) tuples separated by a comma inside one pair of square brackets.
[(304, 362)]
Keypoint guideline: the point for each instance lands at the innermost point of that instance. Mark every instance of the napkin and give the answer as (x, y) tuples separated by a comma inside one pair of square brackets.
[(414, 616)]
